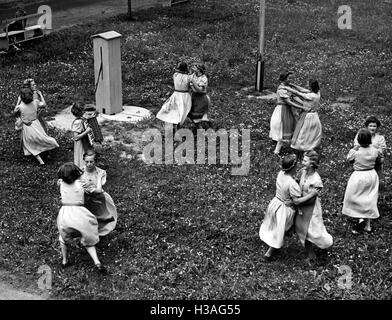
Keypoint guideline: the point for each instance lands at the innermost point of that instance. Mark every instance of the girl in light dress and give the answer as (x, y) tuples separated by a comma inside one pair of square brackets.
[(37, 96), (99, 202), (283, 121), (176, 108), (308, 130), (360, 198), (81, 141), (279, 216), (74, 220), (378, 141), (34, 138), (309, 223)]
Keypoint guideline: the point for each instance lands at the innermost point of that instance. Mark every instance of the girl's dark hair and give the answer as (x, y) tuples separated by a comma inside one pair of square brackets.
[(364, 137), (313, 157), (28, 81), (372, 119), (201, 67), (289, 162), (26, 95), (314, 85), (77, 109), (90, 107), (182, 67), (90, 153), (69, 172), (284, 75)]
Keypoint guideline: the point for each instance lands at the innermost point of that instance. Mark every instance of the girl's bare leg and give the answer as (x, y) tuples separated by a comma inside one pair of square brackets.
[(39, 159), (63, 247), (269, 252), (279, 145), (368, 227), (93, 254)]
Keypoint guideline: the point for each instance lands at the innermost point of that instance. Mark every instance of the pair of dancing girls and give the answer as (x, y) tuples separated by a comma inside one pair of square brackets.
[(295, 120), (189, 99)]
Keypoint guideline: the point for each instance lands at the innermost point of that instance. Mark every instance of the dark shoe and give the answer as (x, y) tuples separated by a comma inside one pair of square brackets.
[(65, 265), (101, 269), (310, 261), (361, 224), (106, 220), (267, 258)]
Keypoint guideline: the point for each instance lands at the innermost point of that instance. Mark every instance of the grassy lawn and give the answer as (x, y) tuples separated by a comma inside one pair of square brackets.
[(191, 231)]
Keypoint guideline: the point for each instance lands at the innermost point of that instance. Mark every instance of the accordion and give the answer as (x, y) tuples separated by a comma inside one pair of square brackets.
[(95, 135)]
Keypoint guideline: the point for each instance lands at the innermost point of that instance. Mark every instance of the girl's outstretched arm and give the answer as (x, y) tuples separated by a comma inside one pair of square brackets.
[(301, 200)]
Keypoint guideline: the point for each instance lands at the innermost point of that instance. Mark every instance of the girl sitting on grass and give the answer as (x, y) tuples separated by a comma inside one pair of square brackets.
[(360, 198), (279, 217), (74, 220), (309, 223), (81, 141)]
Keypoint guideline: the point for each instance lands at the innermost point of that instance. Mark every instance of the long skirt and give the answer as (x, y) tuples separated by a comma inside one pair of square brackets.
[(282, 123), (103, 208), (360, 198), (310, 226), (80, 148), (307, 133), (77, 221), (41, 118), (199, 109), (35, 140), (176, 108), (278, 219)]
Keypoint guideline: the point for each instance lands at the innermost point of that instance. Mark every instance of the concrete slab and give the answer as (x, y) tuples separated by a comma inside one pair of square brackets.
[(268, 96), (63, 120), (130, 114), (8, 292)]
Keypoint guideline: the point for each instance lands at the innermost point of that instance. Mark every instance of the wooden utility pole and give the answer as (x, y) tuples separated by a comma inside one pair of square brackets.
[(260, 55), (130, 9)]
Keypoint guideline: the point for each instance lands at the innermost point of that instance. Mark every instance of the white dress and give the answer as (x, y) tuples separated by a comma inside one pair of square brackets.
[(34, 138), (308, 130), (360, 198), (310, 226), (176, 108), (282, 121), (279, 216), (102, 207), (74, 220)]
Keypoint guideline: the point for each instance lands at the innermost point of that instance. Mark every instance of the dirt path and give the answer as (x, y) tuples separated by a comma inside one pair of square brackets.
[(12, 288)]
